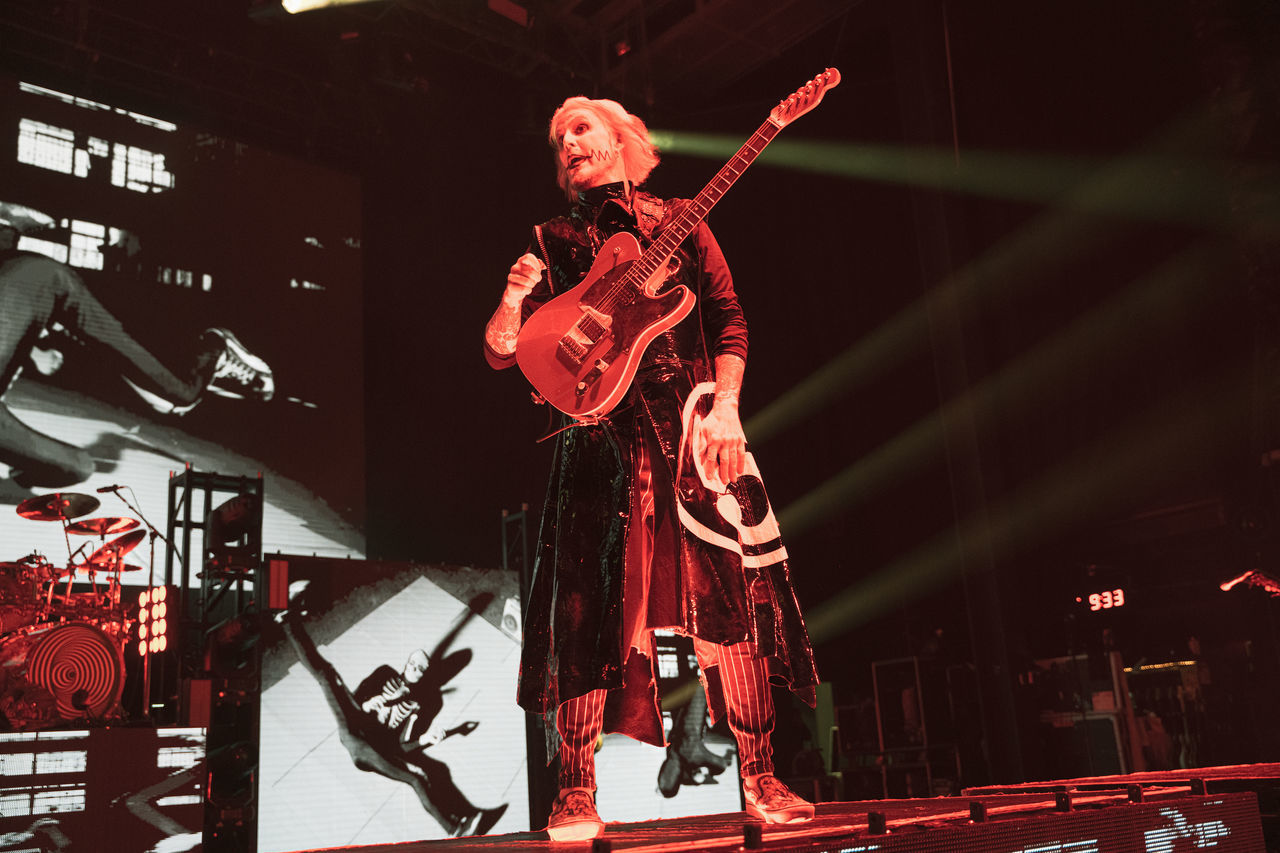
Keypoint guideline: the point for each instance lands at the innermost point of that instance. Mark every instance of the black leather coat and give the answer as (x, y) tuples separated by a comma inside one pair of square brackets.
[(574, 619)]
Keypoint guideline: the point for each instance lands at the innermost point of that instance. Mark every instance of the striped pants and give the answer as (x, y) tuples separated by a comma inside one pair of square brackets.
[(747, 699)]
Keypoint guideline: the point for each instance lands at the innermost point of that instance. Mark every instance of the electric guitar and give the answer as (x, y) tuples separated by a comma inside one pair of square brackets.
[(580, 350)]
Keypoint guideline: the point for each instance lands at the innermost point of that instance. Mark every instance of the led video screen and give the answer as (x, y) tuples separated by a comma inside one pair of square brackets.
[(169, 300), (388, 707), (130, 790), (695, 774)]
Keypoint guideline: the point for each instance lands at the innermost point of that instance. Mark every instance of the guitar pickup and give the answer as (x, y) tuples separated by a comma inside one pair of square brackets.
[(592, 328)]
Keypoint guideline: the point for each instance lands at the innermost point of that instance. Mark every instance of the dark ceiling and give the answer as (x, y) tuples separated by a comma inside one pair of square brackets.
[(334, 81)]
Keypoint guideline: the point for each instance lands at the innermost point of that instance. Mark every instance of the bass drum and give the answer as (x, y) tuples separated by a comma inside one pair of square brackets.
[(50, 674)]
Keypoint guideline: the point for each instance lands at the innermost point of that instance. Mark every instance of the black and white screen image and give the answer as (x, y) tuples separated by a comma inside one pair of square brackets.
[(697, 772), (388, 707), (171, 299), (128, 790)]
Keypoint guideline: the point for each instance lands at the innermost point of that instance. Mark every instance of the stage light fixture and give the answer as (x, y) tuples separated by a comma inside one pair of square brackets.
[(512, 11), (294, 7), (233, 535), (231, 647), (153, 626)]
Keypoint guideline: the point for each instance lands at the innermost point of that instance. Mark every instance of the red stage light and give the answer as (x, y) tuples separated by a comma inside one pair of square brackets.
[(152, 623)]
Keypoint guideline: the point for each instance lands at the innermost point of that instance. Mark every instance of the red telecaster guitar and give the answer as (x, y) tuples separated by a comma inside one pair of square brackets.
[(581, 349)]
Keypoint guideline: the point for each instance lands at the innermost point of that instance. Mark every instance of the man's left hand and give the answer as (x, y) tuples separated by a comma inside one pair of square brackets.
[(725, 448), (432, 735)]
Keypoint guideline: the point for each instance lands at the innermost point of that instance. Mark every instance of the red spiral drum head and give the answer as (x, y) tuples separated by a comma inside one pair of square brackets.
[(80, 666)]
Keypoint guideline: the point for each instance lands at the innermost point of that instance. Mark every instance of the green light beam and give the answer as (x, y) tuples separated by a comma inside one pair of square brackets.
[(1174, 292), (1098, 480), (1154, 187), (1053, 239)]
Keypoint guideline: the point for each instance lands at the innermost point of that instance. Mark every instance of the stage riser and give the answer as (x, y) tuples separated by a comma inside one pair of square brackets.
[(1166, 822), (1227, 823)]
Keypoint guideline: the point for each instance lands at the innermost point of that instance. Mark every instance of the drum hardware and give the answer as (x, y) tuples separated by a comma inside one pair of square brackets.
[(102, 526), (124, 567), (61, 651), (108, 558), (111, 553), (59, 506), (21, 588), (154, 535), (63, 671)]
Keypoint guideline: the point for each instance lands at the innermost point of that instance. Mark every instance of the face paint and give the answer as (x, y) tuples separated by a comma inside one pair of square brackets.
[(589, 153)]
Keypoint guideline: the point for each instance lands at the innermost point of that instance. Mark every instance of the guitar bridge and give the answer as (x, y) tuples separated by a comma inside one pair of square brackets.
[(590, 329), (576, 352)]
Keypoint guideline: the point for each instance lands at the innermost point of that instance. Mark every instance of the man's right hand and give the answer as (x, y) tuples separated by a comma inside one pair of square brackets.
[(503, 328), (525, 273)]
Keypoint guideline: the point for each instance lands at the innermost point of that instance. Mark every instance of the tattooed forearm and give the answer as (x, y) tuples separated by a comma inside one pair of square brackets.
[(729, 371), (503, 327)]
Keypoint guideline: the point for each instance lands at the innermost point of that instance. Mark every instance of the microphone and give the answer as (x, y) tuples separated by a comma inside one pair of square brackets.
[(105, 489)]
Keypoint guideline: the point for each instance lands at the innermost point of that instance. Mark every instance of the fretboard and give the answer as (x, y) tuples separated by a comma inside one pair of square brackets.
[(682, 225)]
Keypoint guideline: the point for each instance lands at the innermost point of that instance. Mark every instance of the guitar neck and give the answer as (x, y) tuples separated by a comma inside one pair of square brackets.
[(682, 226)]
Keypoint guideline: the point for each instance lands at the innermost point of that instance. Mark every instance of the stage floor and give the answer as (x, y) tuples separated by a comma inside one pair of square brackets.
[(845, 825)]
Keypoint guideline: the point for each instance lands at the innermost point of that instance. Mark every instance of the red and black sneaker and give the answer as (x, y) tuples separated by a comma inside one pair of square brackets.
[(773, 802), (574, 817)]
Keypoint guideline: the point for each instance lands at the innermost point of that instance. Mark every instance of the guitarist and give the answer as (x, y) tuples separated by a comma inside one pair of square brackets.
[(616, 557)]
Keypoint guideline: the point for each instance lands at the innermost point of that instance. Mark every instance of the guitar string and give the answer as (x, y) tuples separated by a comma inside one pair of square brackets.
[(687, 220), (660, 251)]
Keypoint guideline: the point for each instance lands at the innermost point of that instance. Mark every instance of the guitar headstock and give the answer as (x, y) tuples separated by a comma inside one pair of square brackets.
[(805, 98)]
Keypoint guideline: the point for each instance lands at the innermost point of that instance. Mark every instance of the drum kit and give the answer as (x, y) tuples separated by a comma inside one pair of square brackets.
[(62, 650)]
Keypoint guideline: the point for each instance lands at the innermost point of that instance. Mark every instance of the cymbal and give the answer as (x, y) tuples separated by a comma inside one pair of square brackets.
[(102, 526), (58, 506), (111, 553), (85, 568)]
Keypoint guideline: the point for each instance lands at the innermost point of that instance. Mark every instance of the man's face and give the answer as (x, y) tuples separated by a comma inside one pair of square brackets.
[(415, 667), (588, 151)]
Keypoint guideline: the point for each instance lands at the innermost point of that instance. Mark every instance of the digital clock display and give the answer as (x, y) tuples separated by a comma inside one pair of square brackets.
[(1106, 600)]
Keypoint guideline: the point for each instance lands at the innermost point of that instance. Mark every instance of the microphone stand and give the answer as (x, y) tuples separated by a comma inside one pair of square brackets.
[(151, 582)]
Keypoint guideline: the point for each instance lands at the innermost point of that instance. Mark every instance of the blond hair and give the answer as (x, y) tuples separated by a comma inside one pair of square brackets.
[(639, 155)]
